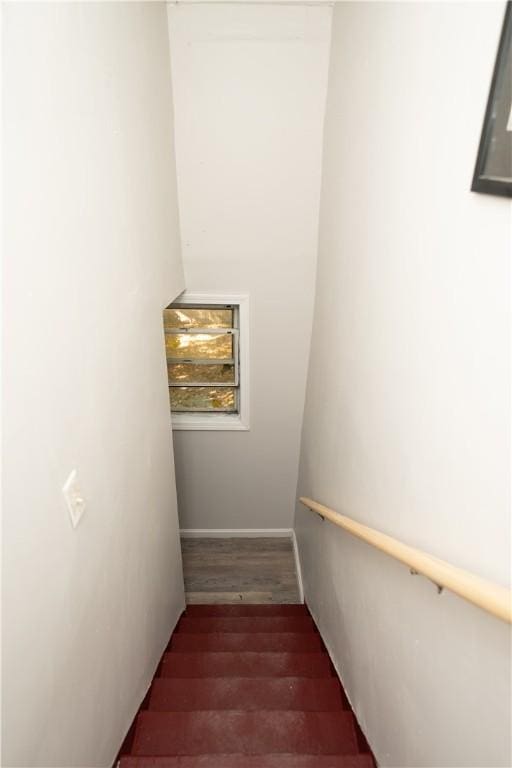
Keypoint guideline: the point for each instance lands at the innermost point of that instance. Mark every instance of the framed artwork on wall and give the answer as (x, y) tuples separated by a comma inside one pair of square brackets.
[(493, 169)]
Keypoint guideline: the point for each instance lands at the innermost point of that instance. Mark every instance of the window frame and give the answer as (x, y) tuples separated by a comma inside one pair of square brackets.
[(220, 420)]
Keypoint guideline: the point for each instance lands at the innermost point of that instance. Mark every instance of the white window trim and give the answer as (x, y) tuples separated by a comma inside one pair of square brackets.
[(222, 421)]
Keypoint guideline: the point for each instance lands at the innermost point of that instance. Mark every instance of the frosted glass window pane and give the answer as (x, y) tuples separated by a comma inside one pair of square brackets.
[(185, 317), (183, 373), (199, 346), (202, 398)]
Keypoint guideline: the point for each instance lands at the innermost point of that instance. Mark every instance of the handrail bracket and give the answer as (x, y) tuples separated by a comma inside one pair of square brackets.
[(440, 587)]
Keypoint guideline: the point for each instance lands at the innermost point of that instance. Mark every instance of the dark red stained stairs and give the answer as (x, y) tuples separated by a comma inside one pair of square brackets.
[(246, 686)]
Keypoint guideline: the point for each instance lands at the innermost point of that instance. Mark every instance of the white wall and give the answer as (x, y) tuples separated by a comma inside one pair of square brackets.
[(408, 401), (249, 95), (91, 257)]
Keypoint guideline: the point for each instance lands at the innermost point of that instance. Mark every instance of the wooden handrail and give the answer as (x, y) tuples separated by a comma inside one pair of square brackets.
[(490, 597)]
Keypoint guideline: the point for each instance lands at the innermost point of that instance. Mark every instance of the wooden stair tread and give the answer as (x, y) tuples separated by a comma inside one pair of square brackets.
[(251, 624), (252, 733), (245, 664), (302, 642), (250, 761), (246, 686), (273, 693), (262, 609)]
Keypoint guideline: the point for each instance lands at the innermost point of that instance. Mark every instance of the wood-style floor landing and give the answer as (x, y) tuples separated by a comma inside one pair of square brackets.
[(239, 570)]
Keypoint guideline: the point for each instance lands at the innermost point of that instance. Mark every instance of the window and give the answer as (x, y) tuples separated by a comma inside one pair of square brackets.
[(206, 349)]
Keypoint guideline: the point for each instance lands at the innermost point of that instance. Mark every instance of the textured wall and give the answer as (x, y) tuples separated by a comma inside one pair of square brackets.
[(92, 256), (407, 414)]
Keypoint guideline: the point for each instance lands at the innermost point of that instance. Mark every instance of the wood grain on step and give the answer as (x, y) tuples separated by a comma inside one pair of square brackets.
[(240, 570)]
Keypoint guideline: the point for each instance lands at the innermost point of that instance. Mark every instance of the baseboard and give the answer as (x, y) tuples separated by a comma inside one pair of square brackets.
[(235, 533), (298, 568)]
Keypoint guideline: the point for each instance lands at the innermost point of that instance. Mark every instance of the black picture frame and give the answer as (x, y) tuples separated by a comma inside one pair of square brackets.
[(493, 169)]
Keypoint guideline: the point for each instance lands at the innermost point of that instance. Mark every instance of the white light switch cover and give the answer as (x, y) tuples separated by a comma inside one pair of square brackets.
[(74, 499)]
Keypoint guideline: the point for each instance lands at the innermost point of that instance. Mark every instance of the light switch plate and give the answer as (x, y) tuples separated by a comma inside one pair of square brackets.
[(74, 499)]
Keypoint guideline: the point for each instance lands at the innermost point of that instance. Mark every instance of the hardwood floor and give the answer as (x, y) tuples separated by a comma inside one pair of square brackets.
[(239, 570)]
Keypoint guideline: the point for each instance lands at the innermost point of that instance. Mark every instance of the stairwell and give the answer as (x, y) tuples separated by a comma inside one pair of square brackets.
[(246, 686)]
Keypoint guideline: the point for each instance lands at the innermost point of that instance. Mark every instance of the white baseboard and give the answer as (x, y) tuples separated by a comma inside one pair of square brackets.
[(298, 568), (235, 533)]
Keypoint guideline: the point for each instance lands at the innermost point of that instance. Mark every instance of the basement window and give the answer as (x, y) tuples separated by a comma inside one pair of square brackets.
[(206, 350)]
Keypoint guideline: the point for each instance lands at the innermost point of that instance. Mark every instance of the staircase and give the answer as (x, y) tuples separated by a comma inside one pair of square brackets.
[(246, 686)]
